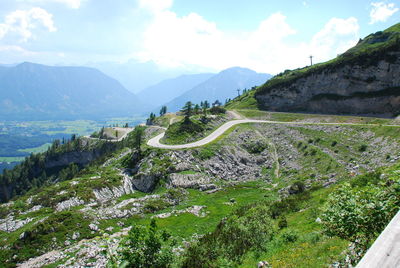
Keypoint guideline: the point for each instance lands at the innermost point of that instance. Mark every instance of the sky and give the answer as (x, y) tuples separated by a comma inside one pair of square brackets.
[(266, 36)]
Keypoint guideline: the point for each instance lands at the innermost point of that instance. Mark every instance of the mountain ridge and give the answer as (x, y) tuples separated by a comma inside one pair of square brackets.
[(220, 87), (36, 91)]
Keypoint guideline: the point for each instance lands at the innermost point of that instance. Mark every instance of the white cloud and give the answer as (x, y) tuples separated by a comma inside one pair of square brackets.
[(172, 40), (381, 11), (337, 36), (69, 3), (22, 22), (155, 5)]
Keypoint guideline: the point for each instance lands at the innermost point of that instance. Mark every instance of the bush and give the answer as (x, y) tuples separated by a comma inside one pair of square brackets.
[(154, 205), (3, 212), (249, 228), (256, 147), (289, 236), (297, 187), (362, 148), (282, 223), (205, 153), (362, 213), (146, 247), (217, 110)]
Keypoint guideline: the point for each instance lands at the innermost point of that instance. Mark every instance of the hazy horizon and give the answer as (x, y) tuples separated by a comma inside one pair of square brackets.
[(188, 36)]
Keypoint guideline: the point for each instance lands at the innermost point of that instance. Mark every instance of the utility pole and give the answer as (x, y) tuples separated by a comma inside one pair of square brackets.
[(311, 56), (238, 90)]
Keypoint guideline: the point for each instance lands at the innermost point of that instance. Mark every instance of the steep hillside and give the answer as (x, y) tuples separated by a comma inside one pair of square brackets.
[(363, 80), (169, 89), (219, 87), (267, 183), (33, 91)]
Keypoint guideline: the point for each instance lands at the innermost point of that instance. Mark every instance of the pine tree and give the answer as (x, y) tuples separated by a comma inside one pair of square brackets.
[(187, 110)]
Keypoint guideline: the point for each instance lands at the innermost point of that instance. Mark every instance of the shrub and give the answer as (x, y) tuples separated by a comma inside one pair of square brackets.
[(362, 213), (146, 247), (362, 148), (154, 205), (249, 228), (289, 236), (282, 223), (297, 187), (205, 153), (3, 212), (256, 147), (217, 110)]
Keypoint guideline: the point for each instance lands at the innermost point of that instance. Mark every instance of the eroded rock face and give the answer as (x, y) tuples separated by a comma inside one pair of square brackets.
[(194, 181), (10, 224), (73, 202), (349, 89)]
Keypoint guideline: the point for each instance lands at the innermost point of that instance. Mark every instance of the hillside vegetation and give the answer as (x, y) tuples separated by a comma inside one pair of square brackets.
[(268, 183)]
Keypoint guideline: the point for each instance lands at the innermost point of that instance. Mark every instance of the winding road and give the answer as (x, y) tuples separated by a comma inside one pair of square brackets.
[(155, 142)]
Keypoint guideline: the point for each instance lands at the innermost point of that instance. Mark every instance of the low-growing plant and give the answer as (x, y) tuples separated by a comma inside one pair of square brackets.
[(362, 148)]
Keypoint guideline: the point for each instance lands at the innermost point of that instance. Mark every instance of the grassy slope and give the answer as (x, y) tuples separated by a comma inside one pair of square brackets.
[(310, 249), (179, 133)]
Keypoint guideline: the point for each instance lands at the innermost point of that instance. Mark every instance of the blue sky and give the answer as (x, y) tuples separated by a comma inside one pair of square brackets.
[(268, 36)]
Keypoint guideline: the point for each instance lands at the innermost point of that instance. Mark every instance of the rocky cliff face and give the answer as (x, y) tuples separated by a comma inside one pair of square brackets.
[(353, 88)]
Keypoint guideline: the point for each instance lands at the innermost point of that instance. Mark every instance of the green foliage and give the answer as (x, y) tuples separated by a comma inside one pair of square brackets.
[(297, 187), (32, 172), (180, 131), (256, 146), (246, 229), (205, 153), (154, 205), (362, 148), (217, 110), (282, 222), (147, 247), (163, 110), (46, 235), (3, 212), (288, 204), (363, 211), (289, 236), (150, 119), (187, 110)]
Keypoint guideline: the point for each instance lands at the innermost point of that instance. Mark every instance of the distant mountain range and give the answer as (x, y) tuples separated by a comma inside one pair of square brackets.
[(169, 89), (137, 76), (34, 91), (220, 87)]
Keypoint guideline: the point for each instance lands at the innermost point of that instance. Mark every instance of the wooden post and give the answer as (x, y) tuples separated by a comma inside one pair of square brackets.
[(311, 56)]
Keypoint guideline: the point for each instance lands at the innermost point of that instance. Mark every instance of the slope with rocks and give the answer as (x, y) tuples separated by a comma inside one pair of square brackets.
[(73, 220)]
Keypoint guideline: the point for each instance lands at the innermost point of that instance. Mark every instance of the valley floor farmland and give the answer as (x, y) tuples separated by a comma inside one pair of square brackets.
[(18, 139)]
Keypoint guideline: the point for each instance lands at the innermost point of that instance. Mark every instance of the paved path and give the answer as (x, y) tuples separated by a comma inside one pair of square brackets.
[(155, 142)]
